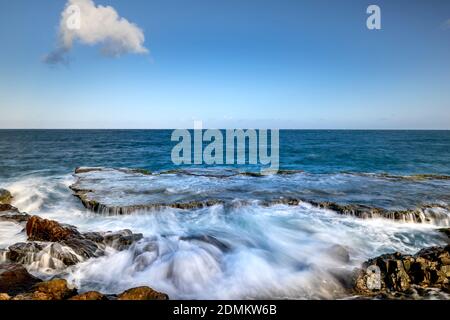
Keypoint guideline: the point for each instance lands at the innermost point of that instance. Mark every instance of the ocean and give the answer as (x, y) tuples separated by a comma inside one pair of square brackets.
[(271, 238)]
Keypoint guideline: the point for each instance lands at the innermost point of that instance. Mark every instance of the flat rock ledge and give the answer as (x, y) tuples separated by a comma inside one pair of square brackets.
[(17, 284), (400, 276), (89, 197)]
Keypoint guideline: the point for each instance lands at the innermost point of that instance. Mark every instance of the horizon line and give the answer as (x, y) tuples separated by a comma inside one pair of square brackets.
[(285, 129)]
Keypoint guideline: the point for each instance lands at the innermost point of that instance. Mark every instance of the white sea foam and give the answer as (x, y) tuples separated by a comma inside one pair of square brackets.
[(10, 233), (225, 252), (278, 252)]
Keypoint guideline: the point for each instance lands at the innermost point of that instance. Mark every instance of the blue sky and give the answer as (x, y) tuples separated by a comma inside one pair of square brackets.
[(233, 63)]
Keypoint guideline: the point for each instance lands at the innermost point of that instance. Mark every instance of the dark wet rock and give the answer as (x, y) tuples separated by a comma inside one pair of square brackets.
[(5, 196), (80, 170), (83, 247), (14, 278), (251, 174), (39, 229), (12, 214), (19, 252), (17, 218), (90, 295), (5, 207), (142, 171), (142, 293), (208, 239), (351, 209), (121, 240), (404, 274), (285, 201), (29, 252), (59, 252), (415, 177), (445, 231), (96, 237), (226, 173), (423, 214)]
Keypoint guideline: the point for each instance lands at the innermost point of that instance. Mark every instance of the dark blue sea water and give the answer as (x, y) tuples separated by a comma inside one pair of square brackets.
[(315, 151), (268, 251)]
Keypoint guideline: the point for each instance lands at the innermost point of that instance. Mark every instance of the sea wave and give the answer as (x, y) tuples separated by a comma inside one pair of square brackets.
[(241, 247)]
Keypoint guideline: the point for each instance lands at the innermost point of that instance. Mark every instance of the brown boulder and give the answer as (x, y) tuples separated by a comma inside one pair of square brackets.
[(90, 295), (39, 229), (56, 289), (142, 293), (14, 278), (4, 296)]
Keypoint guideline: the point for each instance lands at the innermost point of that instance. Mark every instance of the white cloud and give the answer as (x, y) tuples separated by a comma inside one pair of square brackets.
[(100, 25)]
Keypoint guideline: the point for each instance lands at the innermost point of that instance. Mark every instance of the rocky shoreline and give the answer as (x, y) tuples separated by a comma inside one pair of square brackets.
[(389, 276), (63, 246), (400, 276)]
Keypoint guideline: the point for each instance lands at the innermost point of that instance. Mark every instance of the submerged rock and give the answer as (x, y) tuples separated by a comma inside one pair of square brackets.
[(84, 247), (339, 253), (14, 278), (121, 240), (392, 274), (142, 293), (208, 239), (5, 196)]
